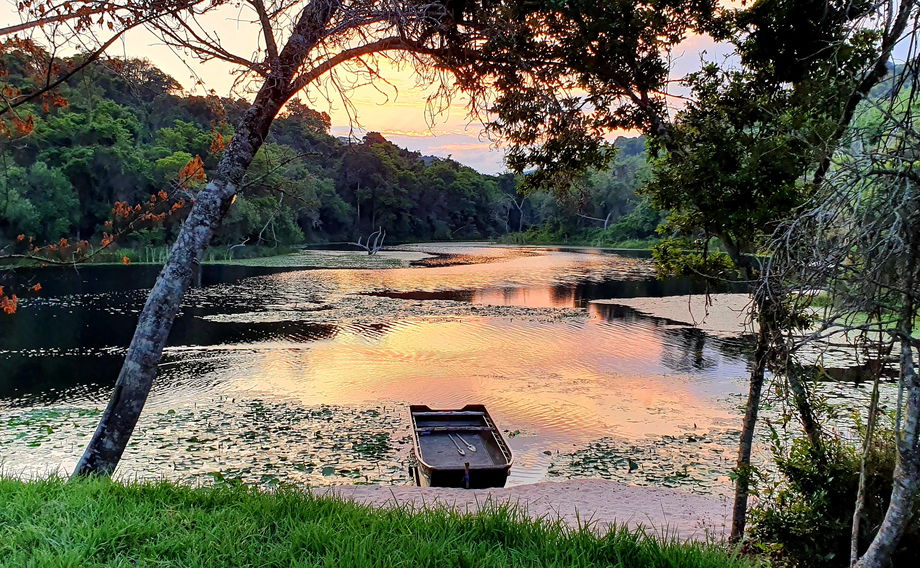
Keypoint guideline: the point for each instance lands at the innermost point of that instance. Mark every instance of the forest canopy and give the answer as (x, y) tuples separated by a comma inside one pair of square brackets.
[(123, 130)]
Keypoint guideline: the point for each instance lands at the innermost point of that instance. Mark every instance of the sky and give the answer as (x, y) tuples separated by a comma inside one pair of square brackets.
[(397, 110)]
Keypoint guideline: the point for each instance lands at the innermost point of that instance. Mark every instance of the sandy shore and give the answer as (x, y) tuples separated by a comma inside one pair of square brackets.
[(597, 502), (726, 314)]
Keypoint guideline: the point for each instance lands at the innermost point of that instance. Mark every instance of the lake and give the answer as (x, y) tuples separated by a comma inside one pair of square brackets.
[(303, 376)]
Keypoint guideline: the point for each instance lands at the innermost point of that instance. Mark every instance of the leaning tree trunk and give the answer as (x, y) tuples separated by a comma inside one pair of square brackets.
[(906, 473), (802, 400), (743, 469), (906, 479), (140, 367)]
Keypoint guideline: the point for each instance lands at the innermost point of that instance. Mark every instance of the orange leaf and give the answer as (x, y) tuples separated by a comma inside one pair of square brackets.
[(218, 143), (125, 260), (192, 173), (8, 305), (24, 126)]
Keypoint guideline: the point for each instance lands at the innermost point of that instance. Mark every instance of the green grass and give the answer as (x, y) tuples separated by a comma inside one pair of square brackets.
[(101, 523), (823, 300)]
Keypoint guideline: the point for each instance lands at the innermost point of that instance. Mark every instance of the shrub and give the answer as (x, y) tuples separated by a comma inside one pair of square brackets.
[(805, 518)]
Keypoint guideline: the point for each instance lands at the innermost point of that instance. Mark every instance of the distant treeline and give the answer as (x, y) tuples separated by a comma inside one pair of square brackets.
[(122, 130)]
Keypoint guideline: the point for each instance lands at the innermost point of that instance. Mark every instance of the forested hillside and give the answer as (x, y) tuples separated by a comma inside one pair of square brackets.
[(122, 130)]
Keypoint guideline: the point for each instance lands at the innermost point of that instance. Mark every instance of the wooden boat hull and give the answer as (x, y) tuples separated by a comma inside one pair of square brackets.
[(479, 479), (439, 463)]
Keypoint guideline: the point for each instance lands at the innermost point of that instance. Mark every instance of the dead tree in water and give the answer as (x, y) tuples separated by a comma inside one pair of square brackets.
[(374, 241), (605, 221), (520, 208)]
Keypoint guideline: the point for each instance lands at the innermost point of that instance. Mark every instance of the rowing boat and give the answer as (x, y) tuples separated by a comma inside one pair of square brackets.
[(458, 448)]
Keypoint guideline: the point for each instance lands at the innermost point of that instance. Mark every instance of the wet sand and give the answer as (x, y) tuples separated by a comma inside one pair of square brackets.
[(593, 502)]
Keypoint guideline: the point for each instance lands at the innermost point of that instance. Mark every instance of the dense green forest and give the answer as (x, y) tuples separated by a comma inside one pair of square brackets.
[(122, 130)]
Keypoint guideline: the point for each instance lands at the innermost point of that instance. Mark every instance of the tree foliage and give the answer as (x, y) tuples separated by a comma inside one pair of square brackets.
[(112, 143), (591, 67), (737, 158)]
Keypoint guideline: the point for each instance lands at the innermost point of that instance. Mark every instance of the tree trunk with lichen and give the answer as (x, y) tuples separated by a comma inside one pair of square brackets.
[(140, 366), (135, 380), (906, 473)]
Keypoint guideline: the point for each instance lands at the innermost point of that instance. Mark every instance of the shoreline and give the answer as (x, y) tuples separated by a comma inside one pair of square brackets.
[(594, 503), (95, 522)]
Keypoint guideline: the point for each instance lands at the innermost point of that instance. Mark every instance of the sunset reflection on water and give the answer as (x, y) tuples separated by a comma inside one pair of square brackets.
[(560, 383), (568, 379), (518, 334)]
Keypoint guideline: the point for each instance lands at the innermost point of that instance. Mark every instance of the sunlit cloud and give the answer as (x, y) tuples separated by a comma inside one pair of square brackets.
[(481, 155), (462, 147), (465, 145)]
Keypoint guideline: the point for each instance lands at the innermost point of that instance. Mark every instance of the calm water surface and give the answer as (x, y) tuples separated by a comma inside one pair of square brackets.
[(303, 376)]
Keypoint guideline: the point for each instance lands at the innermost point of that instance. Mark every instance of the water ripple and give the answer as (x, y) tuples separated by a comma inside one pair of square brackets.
[(253, 363)]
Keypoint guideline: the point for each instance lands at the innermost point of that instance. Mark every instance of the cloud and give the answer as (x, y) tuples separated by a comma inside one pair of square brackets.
[(462, 147)]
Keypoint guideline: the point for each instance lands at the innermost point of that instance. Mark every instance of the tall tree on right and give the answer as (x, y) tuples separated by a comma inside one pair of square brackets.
[(858, 238), (750, 148)]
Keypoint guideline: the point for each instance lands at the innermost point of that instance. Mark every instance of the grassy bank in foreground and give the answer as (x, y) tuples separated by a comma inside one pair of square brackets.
[(100, 523)]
